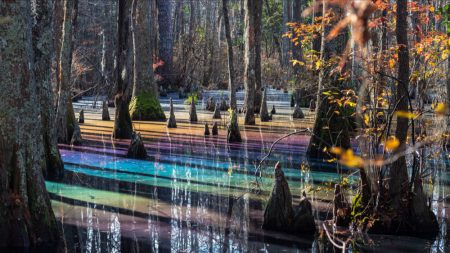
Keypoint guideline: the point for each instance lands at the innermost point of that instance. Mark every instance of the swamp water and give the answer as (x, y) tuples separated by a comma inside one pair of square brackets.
[(196, 193)]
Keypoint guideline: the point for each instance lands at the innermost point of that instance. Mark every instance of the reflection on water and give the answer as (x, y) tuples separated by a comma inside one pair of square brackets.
[(193, 194)]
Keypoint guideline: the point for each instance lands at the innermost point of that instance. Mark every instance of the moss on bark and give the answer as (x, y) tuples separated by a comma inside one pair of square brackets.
[(146, 107)]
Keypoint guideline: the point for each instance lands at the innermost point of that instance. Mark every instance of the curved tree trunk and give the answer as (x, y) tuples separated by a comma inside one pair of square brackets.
[(144, 102), (231, 74), (43, 48), (26, 217), (65, 117)]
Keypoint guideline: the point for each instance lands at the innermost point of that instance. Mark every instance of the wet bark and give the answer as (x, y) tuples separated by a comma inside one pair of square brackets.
[(263, 112), (233, 134), (136, 150), (43, 48), (26, 217), (172, 123)]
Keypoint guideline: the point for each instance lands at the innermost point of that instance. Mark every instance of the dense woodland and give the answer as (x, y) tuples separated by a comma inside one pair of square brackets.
[(376, 75)]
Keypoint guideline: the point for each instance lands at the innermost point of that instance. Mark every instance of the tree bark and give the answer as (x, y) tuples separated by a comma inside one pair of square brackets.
[(258, 5), (249, 61), (398, 179), (43, 48), (26, 217), (165, 40), (231, 74), (65, 116), (144, 102), (123, 127)]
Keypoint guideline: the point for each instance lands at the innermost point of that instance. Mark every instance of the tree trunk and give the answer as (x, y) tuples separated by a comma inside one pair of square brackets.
[(123, 127), (249, 61), (398, 179), (258, 5), (296, 49), (285, 43), (231, 74), (165, 40), (43, 48), (144, 102), (65, 117), (26, 217), (330, 128)]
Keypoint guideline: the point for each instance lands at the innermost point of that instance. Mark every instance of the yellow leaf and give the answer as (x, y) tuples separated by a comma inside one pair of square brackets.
[(441, 109), (405, 114), (391, 63), (351, 160), (431, 8), (318, 64), (336, 150), (391, 144), (366, 119)]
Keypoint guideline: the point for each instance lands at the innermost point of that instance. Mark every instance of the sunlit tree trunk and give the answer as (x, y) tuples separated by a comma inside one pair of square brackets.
[(43, 50), (26, 217), (258, 5), (123, 127), (65, 116), (144, 103), (231, 74), (285, 43)]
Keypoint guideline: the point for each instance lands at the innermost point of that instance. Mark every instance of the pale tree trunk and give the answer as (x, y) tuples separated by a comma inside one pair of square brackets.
[(123, 127), (43, 49), (144, 102), (166, 40), (258, 5), (26, 216), (249, 61), (231, 74), (65, 117)]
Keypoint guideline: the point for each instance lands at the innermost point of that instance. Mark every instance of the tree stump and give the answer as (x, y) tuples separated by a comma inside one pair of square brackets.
[(210, 104), (193, 112), (263, 112), (206, 130), (233, 135), (105, 111), (76, 136), (303, 217), (172, 122), (217, 112), (279, 214), (341, 209), (273, 110), (298, 113), (223, 105), (81, 117), (215, 129), (312, 106), (136, 150)]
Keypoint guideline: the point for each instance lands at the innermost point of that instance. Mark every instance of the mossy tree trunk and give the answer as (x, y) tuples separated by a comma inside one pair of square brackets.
[(26, 217), (65, 116), (43, 48), (144, 102), (123, 127)]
